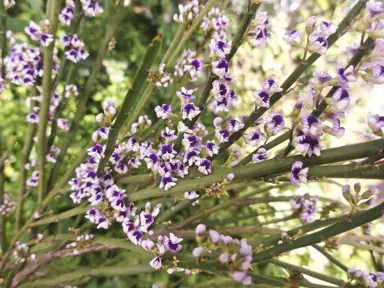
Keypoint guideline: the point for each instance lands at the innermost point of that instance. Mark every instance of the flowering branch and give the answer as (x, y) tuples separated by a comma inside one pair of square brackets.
[(295, 75)]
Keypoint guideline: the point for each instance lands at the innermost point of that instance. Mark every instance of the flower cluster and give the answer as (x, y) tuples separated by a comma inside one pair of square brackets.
[(81, 242), (74, 44), (7, 206), (187, 13), (365, 278), (305, 207), (21, 254), (164, 243), (258, 35), (316, 40), (235, 253)]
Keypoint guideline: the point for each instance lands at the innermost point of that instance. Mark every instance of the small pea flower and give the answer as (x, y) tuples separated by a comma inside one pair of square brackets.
[(255, 137), (261, 155), (318, 44), (327, 28), (274, 124), (172, 243), (298, 175), (190, 111), (220, 68), (293, 38), (163, 111)]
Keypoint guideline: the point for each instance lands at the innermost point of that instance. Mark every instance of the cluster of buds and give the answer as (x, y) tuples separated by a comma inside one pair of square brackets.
[(187, 13), (160, 78), (365, 278), (358, 199), (305, 207), (234, 253), (7, 206), (215, 24), (81, 242), (21, 254)]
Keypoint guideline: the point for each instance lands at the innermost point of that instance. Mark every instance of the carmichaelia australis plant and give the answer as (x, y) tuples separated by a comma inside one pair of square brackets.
[(138, 184)]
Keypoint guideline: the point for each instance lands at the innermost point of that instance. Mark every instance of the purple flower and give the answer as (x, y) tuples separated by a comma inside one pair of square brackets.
[(92, 215), (172, 243), (167, 182), (292, 37), (339, 101), (312, 126), (103, 222), (345, 77), (255, 137), (318, 44), (33, 30), (336, 129), (322, 77), (234, 125), (33, 118), (327, 28), (91, 8), (152, 161), (374, 73), (261, 155), (204, 166), (212, 148), (185, 95), (374, 8), (191, 157), (261, 98), (260, 36), (46, 39), (163, 111), (306, 207), (375, 122), (298, 175), (135, 237), (219, 48), (190, 111), (270, 86), (220, 68), (146, 219), (167, 152), (195, 68), (168, 134), (274, 124), (222, 135), (156, 263), (307, 145)]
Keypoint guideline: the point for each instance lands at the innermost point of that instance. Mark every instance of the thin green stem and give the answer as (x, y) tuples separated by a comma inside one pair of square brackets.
[(342, 226), (308, 272), (331, 258), (265, 168), (93, 272), (89, 86), (127, 109), (53, 16)]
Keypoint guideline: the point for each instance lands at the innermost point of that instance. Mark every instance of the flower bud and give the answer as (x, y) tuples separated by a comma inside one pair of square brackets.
[(311, 24), (197, 251), (200, 229), (357, 187)]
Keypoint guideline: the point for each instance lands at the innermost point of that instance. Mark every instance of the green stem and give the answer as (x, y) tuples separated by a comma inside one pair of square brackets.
[(27, 148), (127, 108), (308, 272), (175, 42), (331, 258), (53, 16), (262, 169), (85, 272), (89, 86), (224, 205), (296, 74), (342, 226)]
